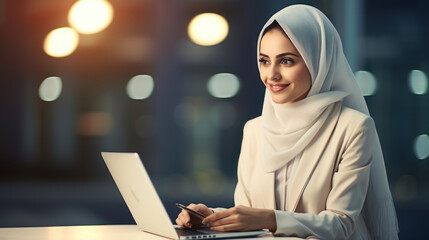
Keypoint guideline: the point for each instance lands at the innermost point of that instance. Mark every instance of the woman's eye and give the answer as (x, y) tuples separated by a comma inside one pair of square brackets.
[(263, 61), (286, 61)]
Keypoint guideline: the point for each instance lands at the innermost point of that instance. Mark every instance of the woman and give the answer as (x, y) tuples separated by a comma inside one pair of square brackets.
[(311, 164)]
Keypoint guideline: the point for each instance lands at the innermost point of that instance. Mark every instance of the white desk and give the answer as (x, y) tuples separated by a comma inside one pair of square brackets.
[(103, 232)]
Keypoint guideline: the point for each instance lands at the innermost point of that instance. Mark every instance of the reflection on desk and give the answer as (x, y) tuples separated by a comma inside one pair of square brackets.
[(103, 232)]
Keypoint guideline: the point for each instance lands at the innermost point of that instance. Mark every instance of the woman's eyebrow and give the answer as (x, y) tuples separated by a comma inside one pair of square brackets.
[(280, 55)]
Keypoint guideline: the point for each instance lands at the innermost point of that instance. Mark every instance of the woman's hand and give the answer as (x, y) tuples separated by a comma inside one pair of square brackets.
[(241, 218), (188, 220)]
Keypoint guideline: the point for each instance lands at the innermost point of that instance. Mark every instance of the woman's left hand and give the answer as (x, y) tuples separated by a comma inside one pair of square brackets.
[(241, 218)]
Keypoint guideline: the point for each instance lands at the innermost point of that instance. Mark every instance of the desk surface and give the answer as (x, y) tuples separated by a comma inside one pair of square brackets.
[(103, 232)]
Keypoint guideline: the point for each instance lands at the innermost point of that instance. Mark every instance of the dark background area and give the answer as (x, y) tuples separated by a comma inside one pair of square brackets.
[(51, 171)]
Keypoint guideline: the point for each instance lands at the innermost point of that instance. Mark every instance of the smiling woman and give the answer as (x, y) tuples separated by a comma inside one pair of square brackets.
[(282, 69), (311, 165)]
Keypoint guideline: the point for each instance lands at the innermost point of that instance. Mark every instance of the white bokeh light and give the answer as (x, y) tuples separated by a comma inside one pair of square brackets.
[(223, 85), (50, 89), (421, 146), (90, 16), (367, 82), (140, 87), (61, 42), (208, 29), (418, 82)]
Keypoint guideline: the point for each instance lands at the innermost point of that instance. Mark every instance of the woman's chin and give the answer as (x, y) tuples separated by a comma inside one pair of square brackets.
[(279, 99)]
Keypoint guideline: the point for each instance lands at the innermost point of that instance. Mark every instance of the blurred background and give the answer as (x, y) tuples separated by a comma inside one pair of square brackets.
[(175, 81)]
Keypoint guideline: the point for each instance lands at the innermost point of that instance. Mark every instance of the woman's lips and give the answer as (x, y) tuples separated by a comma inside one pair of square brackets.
[(278, 87)]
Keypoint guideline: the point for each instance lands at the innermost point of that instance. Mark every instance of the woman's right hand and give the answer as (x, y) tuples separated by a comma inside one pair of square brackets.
[(185, 219)]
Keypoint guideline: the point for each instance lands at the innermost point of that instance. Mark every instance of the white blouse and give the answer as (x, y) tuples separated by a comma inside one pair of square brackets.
[(282, 177)]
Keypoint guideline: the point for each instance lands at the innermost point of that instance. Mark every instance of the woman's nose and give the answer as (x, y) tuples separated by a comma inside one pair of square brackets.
[(274, 74)]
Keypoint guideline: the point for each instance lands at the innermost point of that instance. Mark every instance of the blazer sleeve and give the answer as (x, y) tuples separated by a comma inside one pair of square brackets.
[(347, 195), (242, 194)]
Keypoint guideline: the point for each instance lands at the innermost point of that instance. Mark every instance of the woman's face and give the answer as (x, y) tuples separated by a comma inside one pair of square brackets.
[(282, 69)]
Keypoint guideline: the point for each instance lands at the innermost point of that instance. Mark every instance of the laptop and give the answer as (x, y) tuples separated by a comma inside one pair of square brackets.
[(145, 205)]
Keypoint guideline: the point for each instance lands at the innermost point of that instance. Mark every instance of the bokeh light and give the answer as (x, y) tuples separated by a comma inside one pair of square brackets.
[(367, 82), (50, 89), (140, 87), (418, 82), (61, 42), (208, 29), (421, 146), (90, 16), (223, 85)]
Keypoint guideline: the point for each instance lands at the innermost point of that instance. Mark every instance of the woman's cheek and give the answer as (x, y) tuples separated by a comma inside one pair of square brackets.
[(263, 78)]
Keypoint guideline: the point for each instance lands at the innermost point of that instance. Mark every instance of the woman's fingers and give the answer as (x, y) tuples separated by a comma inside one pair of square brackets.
[(219, 215), (184, 216), (238, 218), (188, 220), (201, 208), (185, 219), (179, 222), (242, 218), (182, 223), (231, 219)]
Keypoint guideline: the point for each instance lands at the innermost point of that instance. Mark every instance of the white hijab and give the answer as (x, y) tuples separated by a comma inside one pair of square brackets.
[(319, 44)]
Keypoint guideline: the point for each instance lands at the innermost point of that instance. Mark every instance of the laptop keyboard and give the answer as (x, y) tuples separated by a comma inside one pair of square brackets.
[(187, 232), (193, 234)]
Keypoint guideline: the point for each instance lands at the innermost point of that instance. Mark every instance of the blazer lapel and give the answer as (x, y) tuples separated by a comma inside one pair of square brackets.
[(309, 160)]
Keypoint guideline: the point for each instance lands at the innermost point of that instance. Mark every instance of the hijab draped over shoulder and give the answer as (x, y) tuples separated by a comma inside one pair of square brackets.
[(289, 128)]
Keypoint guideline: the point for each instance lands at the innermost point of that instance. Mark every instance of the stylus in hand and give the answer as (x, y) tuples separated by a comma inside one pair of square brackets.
[(195, 213)]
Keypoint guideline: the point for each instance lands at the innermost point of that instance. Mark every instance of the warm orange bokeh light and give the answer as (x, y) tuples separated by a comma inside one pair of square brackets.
[(90, 16), (208, 29)]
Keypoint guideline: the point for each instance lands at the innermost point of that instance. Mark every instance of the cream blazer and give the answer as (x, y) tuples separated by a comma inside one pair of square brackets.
[(328, 189)]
